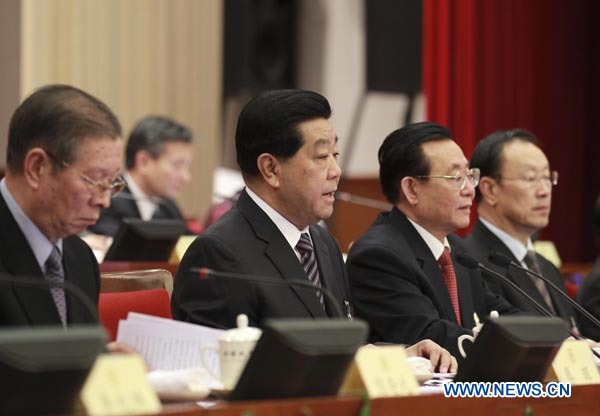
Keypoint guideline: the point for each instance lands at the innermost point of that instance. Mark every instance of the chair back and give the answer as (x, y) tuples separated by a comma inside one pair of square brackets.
[(136, 280), (114, 306)]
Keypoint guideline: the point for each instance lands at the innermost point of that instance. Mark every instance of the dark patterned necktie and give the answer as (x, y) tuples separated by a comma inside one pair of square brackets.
[(533, 265), (56, 275), (309, 262), (447, 267)]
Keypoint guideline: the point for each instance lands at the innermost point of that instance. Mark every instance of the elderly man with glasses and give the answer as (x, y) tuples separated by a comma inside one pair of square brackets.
[(403, 277), (63, 161), (513, 203)]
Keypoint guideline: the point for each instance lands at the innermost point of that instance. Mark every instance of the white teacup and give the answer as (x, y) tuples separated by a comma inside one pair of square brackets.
[(471, 338), (476, 330), (234, 349)]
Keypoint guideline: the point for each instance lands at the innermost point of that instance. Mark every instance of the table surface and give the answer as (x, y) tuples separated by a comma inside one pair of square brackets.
[(584, 400)]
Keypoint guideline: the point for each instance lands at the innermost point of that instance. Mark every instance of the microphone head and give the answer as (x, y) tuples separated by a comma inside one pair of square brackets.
[(467, 260), (205, 272), (499, 259)]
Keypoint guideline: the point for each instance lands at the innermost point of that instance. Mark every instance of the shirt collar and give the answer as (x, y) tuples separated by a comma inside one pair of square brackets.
[(38, 242), (435, 245), (146, 204), (289, 230), (515, 246)]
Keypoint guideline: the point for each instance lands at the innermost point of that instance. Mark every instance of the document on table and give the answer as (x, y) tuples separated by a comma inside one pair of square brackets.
[(166, 344)]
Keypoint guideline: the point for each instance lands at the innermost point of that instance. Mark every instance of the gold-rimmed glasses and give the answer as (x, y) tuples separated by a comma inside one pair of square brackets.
[(532, 180), (460, 179), (98, 187)]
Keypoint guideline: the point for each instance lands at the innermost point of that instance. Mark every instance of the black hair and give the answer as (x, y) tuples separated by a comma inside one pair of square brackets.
[(57, 118), (401, 155), (151, 133), (269, 123), (487, 155)]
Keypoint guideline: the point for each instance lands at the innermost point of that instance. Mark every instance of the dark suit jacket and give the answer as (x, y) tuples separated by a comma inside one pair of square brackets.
[(398, 287), (21, 305), (589, 297), (481, 241), (124, 206), (245, 240)]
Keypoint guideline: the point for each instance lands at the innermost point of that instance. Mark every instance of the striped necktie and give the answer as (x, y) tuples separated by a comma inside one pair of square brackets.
[(309, 262), (56, 276), (532, 264)]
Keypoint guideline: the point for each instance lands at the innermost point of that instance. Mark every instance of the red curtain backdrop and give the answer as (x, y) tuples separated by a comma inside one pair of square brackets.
[(534, 64)]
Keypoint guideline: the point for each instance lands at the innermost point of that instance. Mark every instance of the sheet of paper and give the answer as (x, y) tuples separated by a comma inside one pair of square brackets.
[(167, 344)]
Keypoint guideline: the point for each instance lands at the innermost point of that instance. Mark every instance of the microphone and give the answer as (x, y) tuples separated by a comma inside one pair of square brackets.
[(41, 284), (206, 273), (360, 200), (503, 260), (129, 197), (469, 261)]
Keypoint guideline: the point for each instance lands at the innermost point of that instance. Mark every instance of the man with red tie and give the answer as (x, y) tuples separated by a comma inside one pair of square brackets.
[(403, 279)]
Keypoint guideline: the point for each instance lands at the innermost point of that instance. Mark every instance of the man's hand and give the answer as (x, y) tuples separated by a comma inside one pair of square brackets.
[(441, 360)]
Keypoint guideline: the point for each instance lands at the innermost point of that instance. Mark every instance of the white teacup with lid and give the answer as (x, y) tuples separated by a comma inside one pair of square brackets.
[(235, 347), (476, 330)]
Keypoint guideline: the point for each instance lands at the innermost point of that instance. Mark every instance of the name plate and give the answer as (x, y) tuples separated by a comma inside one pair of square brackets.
[(117, 385), (575, 364), (380, 372)]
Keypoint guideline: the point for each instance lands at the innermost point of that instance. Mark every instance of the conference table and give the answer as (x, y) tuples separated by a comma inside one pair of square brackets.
[(584, 400)]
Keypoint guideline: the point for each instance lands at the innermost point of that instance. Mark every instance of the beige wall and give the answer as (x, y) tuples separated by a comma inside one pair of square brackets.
[(10, 23), (140, 57)]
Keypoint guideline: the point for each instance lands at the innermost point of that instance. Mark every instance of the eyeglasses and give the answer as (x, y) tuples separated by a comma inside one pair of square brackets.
[(460, 179), (98, 187), (532, 180)]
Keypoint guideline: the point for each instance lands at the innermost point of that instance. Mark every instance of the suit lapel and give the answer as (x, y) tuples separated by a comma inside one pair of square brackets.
[(519, 277), (562, 308), (129, 204), (279, 252), (429, 265), (37, 303), (74, 266), (465, 292), (327, 274)]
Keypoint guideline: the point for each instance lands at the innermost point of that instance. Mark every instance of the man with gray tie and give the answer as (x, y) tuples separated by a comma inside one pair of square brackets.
[(63, 161), (513, 203)]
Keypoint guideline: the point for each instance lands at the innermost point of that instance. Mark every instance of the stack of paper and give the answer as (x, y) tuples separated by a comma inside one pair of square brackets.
[(166, 344)]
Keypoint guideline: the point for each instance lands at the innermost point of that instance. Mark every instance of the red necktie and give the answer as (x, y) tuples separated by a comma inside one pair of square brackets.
[(450, 278)]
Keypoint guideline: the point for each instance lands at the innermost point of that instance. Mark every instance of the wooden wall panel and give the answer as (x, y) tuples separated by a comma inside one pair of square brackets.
[(139, 56)]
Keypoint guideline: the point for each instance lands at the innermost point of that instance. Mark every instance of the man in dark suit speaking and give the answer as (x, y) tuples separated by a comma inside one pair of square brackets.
[(287, 152), (403, 277), (63, 159), (158, 159), (513, 203)]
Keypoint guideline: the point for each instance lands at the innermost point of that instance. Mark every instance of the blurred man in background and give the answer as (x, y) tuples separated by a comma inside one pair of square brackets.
[(158, 159)]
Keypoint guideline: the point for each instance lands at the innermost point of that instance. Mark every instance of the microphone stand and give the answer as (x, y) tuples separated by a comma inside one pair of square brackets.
[(360, 200), (206, 273), (471, 262), (44, 284), (504, 261)]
